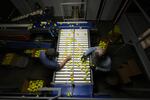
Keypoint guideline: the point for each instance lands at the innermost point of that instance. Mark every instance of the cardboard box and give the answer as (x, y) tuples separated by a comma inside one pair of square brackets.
[(128, 70), (124, 74), (133, 68)]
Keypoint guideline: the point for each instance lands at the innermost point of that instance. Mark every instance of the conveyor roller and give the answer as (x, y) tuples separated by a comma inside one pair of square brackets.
[(75, 43)]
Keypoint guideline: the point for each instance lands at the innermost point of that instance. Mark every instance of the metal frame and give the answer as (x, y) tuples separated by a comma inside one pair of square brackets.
[(24, 44), (101, 11), (44, 89), (89, 46), (56, 58), (75, 25), (90, 58), (27, 15), (67, 98), (145, 15), (147, 32), (14, 25), (77, 84), (73, 3), (120, 11), (128, 31)]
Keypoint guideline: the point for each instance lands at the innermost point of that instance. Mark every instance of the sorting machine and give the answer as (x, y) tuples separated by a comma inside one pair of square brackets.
[(75, 79)]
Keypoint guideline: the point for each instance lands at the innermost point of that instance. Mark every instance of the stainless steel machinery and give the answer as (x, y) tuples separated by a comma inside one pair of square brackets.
[(74, 42), (75, 79)]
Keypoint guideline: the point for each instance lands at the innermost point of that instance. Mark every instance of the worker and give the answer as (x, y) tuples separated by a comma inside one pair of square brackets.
[(48, 59), (100, 59)]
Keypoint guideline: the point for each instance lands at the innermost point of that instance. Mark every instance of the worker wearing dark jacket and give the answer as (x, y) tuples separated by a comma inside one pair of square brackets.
[(50, 61)]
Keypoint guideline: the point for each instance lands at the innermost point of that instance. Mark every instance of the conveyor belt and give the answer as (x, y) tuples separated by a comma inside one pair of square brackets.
[(75, 43)]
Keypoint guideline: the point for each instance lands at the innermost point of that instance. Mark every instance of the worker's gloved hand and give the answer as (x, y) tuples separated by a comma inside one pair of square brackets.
[(83, 58)]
